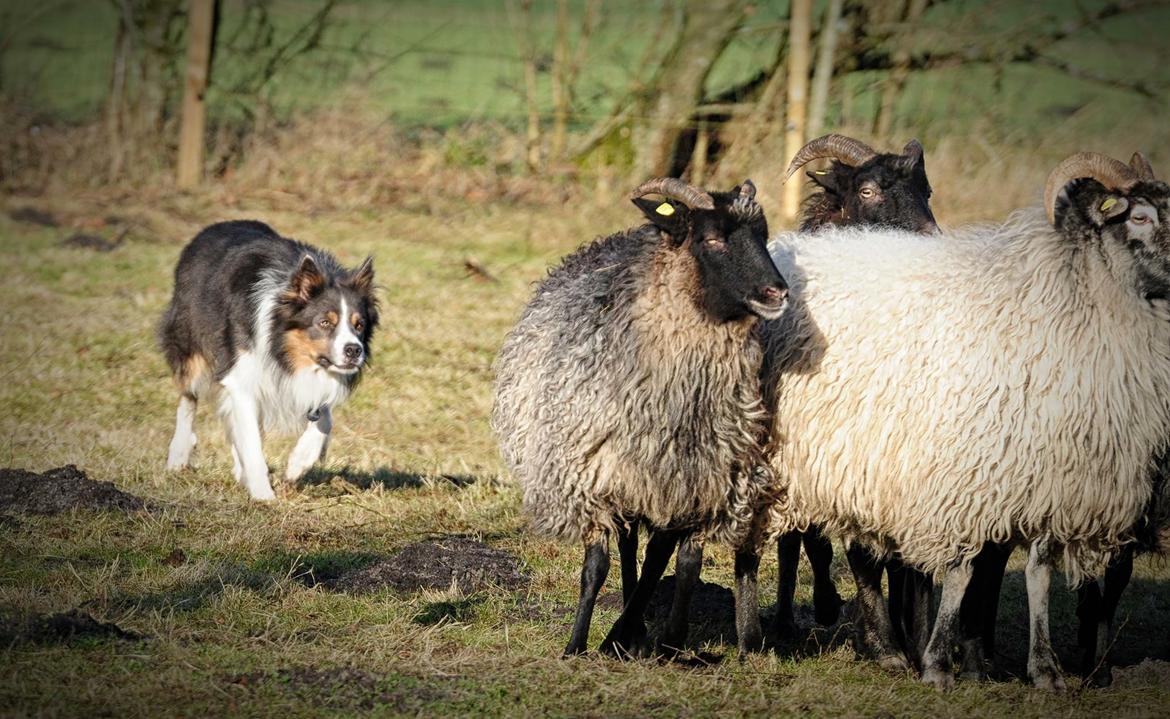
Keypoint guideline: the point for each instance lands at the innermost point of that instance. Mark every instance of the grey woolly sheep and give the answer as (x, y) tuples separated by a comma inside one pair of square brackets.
[(629, 390), (1006, 383)]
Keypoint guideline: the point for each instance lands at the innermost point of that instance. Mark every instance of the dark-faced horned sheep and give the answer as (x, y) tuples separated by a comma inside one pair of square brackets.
[(1005, 383), (860, 188), (629, 390)]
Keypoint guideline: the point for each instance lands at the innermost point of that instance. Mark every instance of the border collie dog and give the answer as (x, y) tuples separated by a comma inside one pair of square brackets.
[(278, 329)]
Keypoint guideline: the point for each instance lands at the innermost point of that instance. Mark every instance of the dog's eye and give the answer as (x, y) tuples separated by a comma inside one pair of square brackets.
[(358, 325), (324, 323)]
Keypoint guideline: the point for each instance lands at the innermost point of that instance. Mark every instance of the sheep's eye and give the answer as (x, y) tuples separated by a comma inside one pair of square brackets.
[(714, 242), (867, 193), (1139, 218)]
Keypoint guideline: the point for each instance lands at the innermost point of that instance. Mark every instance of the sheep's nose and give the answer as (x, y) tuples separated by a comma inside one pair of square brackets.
[(773, 294), (352, 351)]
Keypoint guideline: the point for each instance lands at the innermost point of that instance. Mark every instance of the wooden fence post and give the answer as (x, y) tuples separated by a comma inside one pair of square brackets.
[(201, 15)]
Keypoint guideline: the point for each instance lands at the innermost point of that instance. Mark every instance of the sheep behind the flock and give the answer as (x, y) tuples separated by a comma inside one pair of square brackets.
[(860, 188), (994, 384), (629, 390)]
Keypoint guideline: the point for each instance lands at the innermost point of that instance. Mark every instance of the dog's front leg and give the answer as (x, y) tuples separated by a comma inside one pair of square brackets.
[(311, 447), (242, 417)]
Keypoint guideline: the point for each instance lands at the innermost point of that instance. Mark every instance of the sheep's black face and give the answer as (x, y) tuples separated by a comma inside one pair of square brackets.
[(736, 276), (729, 244), (1136, 222), (886, 191)]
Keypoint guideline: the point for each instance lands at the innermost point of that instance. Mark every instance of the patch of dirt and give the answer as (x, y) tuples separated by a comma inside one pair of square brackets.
[(348, 687), (97, 243), (438, 564), (33, 216), (1149, 673), (59, 628), (60, 490), (543, 611), (712, 612)]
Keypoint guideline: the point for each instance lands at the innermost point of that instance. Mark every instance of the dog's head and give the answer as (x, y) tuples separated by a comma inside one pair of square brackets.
[(327, 318)]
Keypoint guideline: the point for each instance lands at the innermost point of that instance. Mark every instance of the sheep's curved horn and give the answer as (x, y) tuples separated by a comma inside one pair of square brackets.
[(839, 147), (675, 189), (1140, 165), (1111, 173)]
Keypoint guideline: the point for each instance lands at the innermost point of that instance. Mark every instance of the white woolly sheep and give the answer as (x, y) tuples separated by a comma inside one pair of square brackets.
[(994, 384)]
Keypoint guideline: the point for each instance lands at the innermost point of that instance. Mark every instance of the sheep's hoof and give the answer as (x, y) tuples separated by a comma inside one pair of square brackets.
[(974, 667), (751, 641), (573, 650), (895, 662), (936, 677), (1048, 679)]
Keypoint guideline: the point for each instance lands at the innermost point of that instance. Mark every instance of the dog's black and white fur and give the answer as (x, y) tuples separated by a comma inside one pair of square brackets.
[(279, 328)]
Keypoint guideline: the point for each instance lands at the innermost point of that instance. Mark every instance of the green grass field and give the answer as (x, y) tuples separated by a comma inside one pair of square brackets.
[(453, 62), (247, 623)]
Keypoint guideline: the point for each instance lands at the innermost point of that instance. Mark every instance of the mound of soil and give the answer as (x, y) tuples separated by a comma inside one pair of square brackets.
[(60, 490), (438, 564), (59, 628), (1149, 673), (712, 612)]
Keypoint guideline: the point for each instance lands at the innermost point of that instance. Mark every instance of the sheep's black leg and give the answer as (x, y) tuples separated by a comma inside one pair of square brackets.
[(936, 660), (1097, 611), (747, 602), (658, 551), (896, 599), (872, 628), (826, 601), (980, 610), (917, 607), (593, 573), (627, 541), (788, 560), (687, 565), (1042, 665)]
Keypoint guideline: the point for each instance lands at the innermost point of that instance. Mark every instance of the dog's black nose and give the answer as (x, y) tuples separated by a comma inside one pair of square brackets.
[(352, 351)]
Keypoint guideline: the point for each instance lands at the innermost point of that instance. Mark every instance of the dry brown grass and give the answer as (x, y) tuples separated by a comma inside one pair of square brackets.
[(240, 626)]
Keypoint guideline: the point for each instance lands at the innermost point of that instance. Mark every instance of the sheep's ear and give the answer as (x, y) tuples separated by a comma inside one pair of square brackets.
[(307, 280), (671, 217), (826, 179), (1091, 200), (362, 279)]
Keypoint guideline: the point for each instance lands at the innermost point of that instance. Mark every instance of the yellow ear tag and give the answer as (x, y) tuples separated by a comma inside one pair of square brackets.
[(665, 209), (820, 172), (1108, 203)]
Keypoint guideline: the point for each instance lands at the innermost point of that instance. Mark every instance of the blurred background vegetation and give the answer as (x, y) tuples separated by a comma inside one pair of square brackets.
[(362, 101)]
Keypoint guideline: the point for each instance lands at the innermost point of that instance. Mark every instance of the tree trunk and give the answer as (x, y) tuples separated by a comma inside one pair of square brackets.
[(823, 75), (522, 24), (193, 120), (677, 88), (566, 63), (798, 62)]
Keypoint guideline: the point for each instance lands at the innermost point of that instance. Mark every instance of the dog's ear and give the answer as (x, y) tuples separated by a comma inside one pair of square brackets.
[(362, 279), (307, 280)]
